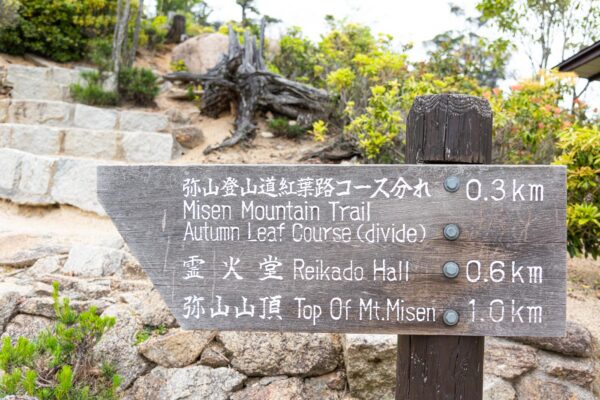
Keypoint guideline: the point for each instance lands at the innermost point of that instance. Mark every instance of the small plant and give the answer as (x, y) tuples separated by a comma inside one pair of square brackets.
[(178, 66), (138, 86), (59, 364), (319, 131), (283, 127), (93, 92), (148, 331)]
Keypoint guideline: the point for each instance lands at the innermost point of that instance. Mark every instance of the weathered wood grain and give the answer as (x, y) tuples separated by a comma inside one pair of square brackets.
[(146, 204), (444, 128)]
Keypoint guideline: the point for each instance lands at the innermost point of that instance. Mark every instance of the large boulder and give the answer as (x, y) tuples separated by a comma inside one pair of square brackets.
[(150, 308), (201, 52), (576, 342), (117, 346), (190, 383), (539, 386), (177, 348), (508, 359), (580, 371), (495, 388), (283, 388), (214, 356), (22, 250), (43, 306), (27, 326), (268, 354), (189, 136), (371, 365), (8, 307), (85, 260)]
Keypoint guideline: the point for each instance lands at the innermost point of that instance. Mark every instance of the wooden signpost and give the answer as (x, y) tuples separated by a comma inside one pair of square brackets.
[(349, 249), (458, 250)]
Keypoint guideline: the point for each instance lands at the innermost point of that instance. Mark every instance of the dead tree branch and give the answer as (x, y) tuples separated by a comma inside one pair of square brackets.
[(241, 77)]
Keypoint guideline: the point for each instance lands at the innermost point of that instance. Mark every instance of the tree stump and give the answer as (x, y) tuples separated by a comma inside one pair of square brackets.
[(241, 78), (177, 29)]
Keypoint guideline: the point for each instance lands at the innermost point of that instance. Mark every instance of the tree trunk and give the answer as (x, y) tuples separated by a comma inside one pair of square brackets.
[(241, 77), (116, 33), (120, 36), (177, 29), (136, 34)]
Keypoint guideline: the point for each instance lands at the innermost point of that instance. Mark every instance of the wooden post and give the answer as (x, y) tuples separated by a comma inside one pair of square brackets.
[(447, 128)]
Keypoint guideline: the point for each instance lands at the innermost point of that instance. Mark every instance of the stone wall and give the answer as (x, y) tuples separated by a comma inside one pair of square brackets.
[(174, 363), (62, 114), (26, 82), (145, 147), (43, 180)]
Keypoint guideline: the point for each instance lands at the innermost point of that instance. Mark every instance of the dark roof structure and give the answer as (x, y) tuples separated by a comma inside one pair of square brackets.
[(586, 63)]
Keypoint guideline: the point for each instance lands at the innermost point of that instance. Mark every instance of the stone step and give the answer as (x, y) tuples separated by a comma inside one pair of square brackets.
[(63, 114), (39, 83), (46, 180), (144, 147)]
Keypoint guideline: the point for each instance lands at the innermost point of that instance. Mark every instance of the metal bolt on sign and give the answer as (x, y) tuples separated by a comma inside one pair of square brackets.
[(450, 269), (451, 184), (451, 317), (451, 231)]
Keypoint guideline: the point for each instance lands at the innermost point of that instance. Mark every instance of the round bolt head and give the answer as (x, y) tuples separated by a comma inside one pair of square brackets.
[(451, 269), (451, 231), (451, 184), (451, 317)]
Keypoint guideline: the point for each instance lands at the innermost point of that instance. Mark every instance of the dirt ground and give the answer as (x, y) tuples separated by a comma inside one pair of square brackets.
[(583, 293)]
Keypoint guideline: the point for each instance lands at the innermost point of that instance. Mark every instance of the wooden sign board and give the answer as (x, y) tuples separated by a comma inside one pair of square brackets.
[(348, 248)]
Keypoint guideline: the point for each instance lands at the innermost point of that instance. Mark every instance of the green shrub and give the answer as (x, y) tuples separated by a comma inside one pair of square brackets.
[(138, 86), (93, 92), (154, 32), (283, 127), (297, 56), (59, 363), (376, 129), (57, 29), (581, 155)]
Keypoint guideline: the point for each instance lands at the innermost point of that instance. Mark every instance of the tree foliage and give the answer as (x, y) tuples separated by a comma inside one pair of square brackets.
[(57, 29), (9, 13), (542, 26), (470, 55), (528, 118), (580, 152)]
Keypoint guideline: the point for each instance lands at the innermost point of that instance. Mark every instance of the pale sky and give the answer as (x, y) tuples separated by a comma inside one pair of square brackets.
[(413, 21)]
